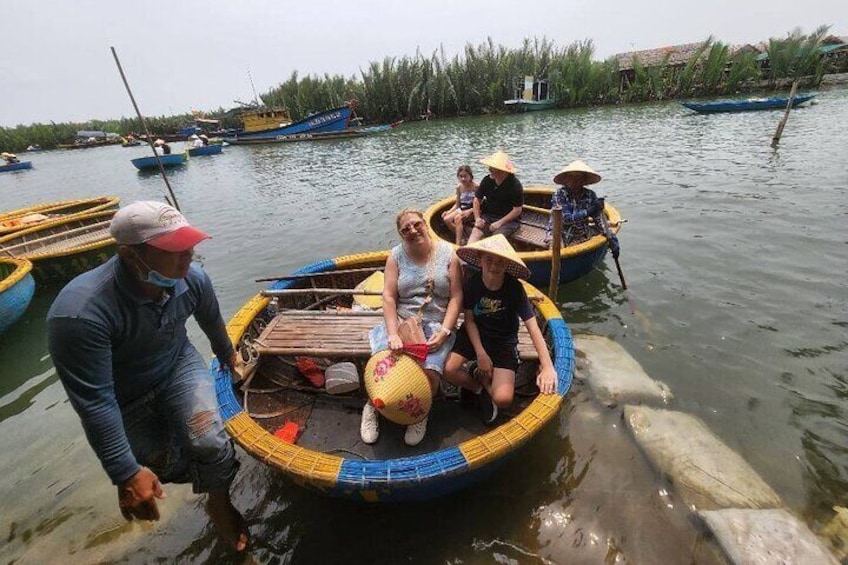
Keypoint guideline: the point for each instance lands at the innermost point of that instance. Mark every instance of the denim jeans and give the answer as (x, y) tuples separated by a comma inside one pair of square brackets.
[(176, 429)]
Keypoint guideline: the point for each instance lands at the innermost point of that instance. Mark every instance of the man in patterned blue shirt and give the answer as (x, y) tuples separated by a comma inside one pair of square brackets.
[(578, 203)]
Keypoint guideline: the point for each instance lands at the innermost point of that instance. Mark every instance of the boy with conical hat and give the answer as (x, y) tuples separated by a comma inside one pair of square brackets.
[(494, 299), (499, 199)]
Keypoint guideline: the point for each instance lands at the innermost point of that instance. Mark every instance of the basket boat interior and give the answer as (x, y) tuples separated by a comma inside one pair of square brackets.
[(327, 329)]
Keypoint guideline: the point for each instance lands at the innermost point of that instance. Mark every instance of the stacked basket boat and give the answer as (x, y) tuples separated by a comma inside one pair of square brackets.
[(61, 246)]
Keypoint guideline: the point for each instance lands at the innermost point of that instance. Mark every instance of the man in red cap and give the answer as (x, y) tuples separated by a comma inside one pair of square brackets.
[(146, 400)]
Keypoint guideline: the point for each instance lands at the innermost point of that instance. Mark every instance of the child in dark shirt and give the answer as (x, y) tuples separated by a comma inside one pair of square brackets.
[(494, 300)]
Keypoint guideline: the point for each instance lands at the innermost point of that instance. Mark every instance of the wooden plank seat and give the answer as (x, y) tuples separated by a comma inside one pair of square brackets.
[(336, 334)]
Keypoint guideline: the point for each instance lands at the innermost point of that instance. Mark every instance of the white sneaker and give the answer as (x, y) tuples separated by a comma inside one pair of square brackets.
[(415, 433), (369, 428)]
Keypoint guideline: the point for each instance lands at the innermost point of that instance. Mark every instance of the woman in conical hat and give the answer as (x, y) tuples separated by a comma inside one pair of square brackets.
[(499, 199), (578, 203), (494, 300)]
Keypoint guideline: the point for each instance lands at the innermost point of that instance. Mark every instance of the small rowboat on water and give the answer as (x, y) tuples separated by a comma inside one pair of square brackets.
[(148, 163), (577, 259), (16, 166), (16, 289), (747, 105), (61, 249), (34, 215), (205, 150), (265, 413)]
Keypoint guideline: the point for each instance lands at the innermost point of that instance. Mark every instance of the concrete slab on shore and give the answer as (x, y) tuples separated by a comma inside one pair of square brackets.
[(614, 376), (705, 473), (765, 536)]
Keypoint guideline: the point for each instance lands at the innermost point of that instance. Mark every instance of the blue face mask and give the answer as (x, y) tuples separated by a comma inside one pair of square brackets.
[(156, 278)]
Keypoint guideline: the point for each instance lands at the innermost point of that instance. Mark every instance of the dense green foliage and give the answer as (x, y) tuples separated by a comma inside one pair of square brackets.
[(478, 80)]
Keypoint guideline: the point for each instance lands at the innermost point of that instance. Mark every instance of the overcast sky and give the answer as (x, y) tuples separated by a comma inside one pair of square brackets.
[(55, 62)]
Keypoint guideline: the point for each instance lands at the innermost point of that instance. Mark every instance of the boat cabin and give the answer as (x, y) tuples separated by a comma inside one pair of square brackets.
[(259, 120), (530, 89)]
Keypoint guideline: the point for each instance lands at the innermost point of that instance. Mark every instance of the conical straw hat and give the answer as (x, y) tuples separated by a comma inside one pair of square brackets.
[(578, 166), (499, 160), (496, 245), (398, 387)]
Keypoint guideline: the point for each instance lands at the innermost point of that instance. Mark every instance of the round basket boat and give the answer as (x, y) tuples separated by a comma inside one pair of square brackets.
[(312, 436), (16, 289), (577, 259), (63, 248), (31, 216)]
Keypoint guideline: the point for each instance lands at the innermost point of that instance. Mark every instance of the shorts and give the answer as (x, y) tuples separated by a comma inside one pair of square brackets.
[(505, 229), (379, 341), (503, 355)]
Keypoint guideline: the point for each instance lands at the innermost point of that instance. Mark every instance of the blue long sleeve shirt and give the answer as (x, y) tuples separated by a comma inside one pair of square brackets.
[(112, 345)]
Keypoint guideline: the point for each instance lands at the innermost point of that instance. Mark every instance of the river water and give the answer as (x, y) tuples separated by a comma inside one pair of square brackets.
[(735, 254)]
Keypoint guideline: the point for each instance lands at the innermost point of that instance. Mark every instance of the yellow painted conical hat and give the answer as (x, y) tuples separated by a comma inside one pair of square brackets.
[(578, 166), (499, 160), (496, 245), (374, 283), (398, 387)]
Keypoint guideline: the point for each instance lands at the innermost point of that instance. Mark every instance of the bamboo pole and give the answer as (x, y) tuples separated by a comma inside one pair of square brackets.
[(320, 274), (173, 199), (321, 291), (556, 246), (776, 139)]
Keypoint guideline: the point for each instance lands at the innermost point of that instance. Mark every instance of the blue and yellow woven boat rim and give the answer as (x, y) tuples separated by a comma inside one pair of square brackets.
[(593, 244), (375, 480), (22, 268)]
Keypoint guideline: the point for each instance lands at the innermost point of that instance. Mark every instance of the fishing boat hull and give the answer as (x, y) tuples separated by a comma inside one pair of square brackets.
[(16, 290), (749, 105), (309, 136), (23, 165), (30, 217), (576, 260), (518, 105), (149, 163), (329, 457), (205, 150), (334, 120), (61, 249)]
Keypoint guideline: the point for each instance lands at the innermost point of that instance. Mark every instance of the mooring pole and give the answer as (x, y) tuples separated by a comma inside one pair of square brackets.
[(776, 139), (556, 246)]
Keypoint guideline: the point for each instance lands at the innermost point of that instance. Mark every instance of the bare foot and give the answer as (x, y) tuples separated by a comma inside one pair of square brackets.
[(229, 524)]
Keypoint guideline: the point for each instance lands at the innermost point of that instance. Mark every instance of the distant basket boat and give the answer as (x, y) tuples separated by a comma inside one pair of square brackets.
[(746, 105), (16, 289), (205, 150), (329, 456), (33, 215), (22, 165), (577, 259), (62, 249), (147, 163)]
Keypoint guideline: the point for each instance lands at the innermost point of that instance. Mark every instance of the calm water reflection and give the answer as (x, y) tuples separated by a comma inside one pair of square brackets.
[(736, 258)]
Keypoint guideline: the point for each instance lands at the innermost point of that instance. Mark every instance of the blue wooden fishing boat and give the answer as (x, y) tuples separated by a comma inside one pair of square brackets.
[(747, 105), (147, 163), (16, 166), (576, 260), (519, 105), (206, 150), (16, 289), (312, 436), (334, 120), (315, 136)]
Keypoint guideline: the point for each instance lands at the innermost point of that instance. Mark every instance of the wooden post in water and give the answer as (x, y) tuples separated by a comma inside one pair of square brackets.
[(776, 139), (556, 246)]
